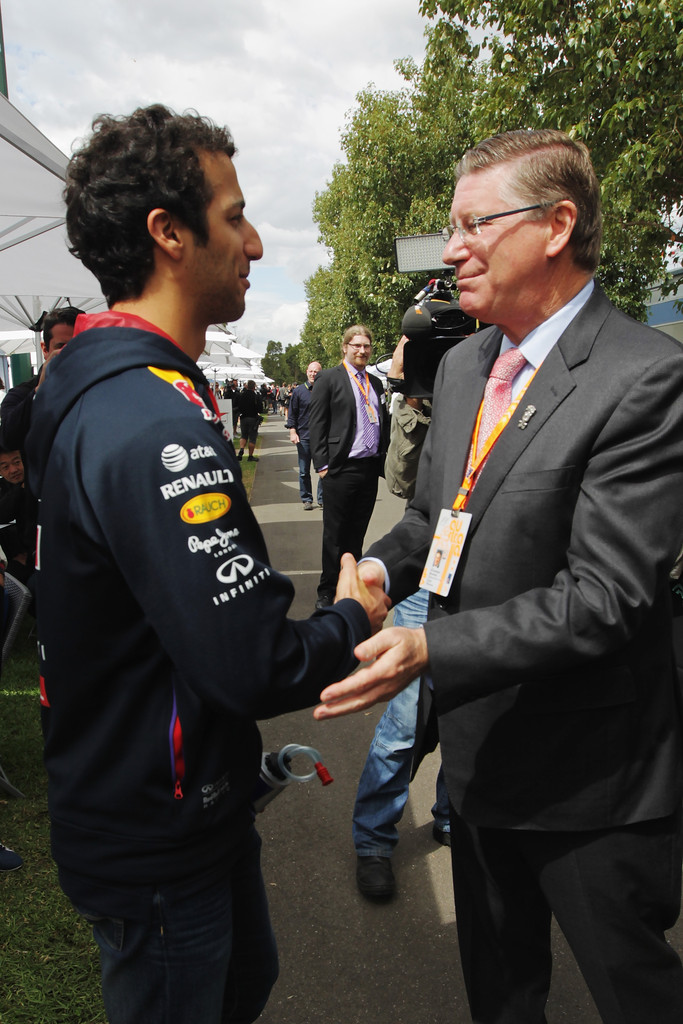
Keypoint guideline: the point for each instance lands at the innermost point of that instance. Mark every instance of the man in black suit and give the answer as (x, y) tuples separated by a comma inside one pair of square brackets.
[(15, 414), (548, 646), (349, 428)]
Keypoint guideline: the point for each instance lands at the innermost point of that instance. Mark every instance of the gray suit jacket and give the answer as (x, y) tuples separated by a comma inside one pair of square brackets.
[(551, 656)]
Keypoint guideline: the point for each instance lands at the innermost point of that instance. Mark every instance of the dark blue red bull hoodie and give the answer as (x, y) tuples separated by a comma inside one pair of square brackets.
[(163, 628)]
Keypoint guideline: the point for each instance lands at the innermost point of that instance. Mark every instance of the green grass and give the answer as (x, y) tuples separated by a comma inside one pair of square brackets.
[(248, 470), (49, 968)]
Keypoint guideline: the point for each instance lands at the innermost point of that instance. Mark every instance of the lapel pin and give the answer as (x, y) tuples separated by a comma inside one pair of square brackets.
[(526, 416)]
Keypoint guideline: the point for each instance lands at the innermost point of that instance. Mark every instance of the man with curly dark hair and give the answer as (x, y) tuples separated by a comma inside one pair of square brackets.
[(133, 165), (150, 564)]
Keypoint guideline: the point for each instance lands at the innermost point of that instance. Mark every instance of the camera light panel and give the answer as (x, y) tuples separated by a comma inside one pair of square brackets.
[(419, 253)]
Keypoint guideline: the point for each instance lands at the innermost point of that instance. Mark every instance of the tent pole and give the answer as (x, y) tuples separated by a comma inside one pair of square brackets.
[(3, 66), (36, 334)]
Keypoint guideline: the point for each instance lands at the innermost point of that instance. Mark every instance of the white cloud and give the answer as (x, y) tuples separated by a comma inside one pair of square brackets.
[(295, 250), (281, 75), (266, 319)]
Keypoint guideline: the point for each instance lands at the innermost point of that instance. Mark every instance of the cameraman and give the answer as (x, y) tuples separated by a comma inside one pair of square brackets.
[(385, 779), (410, 419)]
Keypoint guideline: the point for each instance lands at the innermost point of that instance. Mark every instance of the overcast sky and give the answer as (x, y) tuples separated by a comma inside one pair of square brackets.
[(282, 74)]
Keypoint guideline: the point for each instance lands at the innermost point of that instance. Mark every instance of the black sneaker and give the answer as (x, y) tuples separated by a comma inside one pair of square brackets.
[(252, 458), (9, 860)]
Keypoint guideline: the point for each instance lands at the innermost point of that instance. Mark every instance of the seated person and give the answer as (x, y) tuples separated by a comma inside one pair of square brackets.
[(17, 520), (9, 860)]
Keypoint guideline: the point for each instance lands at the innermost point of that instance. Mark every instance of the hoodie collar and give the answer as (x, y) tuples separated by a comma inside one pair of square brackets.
[(116, 318)]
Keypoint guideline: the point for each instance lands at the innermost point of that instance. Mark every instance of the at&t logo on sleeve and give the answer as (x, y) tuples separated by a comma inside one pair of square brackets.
[(175, 458)]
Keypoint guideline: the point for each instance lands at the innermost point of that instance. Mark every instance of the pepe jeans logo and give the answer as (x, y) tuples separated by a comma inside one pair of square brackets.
[(203, 508), (217, 545)]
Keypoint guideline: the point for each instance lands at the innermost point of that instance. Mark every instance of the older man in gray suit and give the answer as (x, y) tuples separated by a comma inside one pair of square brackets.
[(546, 518)]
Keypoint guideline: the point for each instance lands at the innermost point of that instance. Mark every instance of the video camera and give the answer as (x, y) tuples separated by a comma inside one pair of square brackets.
[(434, 323)]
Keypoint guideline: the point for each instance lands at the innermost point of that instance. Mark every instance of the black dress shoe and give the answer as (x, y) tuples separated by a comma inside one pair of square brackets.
[(324, 601), (375, 878), (441, 835)]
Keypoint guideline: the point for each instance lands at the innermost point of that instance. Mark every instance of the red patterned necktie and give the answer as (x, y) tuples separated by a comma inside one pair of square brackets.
[(498, 393)]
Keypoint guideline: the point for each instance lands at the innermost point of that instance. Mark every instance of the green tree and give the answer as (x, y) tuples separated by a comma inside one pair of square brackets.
[(284, 366), (397, 179), (294, 364), (607, 73), (271, 364)]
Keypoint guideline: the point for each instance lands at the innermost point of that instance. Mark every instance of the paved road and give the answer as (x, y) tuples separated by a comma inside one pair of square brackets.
[(345, 960)]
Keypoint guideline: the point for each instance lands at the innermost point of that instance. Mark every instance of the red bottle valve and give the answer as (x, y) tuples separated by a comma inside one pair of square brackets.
[(323, 773)]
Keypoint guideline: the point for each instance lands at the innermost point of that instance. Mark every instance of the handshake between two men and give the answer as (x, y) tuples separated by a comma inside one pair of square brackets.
[(396, 655)]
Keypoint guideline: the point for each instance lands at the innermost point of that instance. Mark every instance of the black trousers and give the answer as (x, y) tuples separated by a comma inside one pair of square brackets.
[(348, 501), (614, 893)]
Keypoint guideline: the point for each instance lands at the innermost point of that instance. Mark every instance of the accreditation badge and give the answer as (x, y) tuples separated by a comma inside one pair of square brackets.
[(372, 415), (445, 551)]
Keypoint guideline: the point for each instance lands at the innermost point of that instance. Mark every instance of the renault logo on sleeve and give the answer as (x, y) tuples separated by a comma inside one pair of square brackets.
[(174, 458), (230, 571)]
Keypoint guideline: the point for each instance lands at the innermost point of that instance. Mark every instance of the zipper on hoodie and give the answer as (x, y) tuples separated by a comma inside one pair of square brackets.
[(175, 740)]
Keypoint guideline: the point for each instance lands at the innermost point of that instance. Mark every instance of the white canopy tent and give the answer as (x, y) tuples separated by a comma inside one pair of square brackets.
[(218, 372), (225, 343), (14, 342), (226, 359), (37, 271)]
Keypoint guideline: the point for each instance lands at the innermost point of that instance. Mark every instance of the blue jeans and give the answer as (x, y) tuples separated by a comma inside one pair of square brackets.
[(383, 786), (210, 957), (305, 487)]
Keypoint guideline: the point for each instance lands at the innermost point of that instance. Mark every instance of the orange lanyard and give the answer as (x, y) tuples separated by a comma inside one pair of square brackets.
[(475, 462), (365, 391)]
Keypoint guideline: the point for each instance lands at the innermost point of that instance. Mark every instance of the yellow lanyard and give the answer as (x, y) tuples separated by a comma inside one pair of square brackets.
[(475, 462)]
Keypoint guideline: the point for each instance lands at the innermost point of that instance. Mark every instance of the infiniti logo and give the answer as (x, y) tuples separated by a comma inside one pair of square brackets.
[(230, 571)]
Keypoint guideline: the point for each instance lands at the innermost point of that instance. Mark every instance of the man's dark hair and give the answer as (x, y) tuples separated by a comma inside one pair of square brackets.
[(129, 166), (65, 315)]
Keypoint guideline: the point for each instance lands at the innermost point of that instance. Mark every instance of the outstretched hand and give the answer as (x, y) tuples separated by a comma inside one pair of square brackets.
[(396, 655), (370, 594)]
